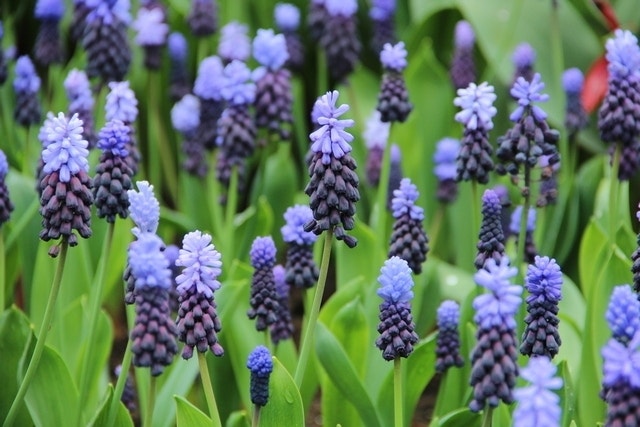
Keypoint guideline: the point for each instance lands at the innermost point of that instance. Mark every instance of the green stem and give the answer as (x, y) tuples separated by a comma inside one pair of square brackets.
[(3, 272), (436, 225), (378, 216), (94, 312), (522, 233), (122, 380), (230, 212), (488, 417), (212, 189), (613, 192), (322, 79), (25, 160), (156, 121), (255, 420), (151, 401), (208, 390), (397, 392), (315, 311), (42, 338)]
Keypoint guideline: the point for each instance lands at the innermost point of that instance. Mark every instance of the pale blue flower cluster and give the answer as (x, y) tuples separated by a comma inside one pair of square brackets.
[(270, 49), (209, 81), (499, 306), (331, 139), (144, 208), (403, 202), (202, 264), (185, 114), (395, 281), (66, 151), (538, 405), (476, 104), (526, 93), (151, 27), (121, 103)]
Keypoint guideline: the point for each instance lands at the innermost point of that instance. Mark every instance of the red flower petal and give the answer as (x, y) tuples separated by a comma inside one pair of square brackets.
[(595, 84)]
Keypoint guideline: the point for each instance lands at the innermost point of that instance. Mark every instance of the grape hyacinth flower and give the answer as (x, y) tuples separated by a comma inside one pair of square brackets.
[(476, 112), (151, 32), (463, 67), (382, 14), (505, 202), (274, 98), (260, 365), (548, 183), (81, 102), (339, 38), (264, 299), (491, 236), (121, 104), (575, 117), (47, 49), (395, 173), (375, 136), (494, 358), (6, 207), (619, 114), (198, 322), (396, 327), (4, 72), (317, 18), (393, 98), (538, 405), (623, 314), (26, 86), (179, 84), (78, 21), (208, 87), (408, 238), (530, 137), (185, 117), (622, 381), (203, 17), (129, 394), (635, 258), (144, 210), (282, 328), (524, 58), (333, 183), (544, 284), (234, 42), (448, 339), (113, 174), (66, 197), (301, 270), (171, 253), (154, 333), (446, 172), (287, 20), (530, 250), (236, 133), (105, 39)]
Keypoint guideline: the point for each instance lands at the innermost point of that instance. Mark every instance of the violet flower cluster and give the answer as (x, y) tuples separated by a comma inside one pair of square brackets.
[(393, 98), (463, 69)]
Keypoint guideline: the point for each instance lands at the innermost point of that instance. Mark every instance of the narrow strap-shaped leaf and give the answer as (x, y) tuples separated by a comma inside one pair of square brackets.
[(188, 415)]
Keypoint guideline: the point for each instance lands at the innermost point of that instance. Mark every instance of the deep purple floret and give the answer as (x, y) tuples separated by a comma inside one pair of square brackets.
[(237, 86), (78, 91), (177, 46), (622, 362), (516, 215), (331, 139), (114, 137), (499, 306), (395, 281), (121, 103), (464, 36), (234, 42), (293, 230), (382, 10), (144, 208), (185, 114), (623, 55), (445, 157), (270, 49), (538, 405), (394, 57), (523, 55), (572, 80), (26, 80), (476, 105), (150, 26), (263, 252), (287, 17), (66, 151), (403, 202), (341, 7), (526, 93), (623, 313), (209, 81), (202, 265), (148, 265), (49, 10), (544, 281)]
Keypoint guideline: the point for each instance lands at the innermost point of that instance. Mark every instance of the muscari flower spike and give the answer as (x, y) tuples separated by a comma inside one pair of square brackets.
[(339, 38), (375, 136), (151, 33), (260, 365), (333, 187), (623, 313), (282, 329), (81, 101), (6, 207), (524, 57), (514, 228), (491, 235), (198, 322), (264, 300), (538, 405), (575, 117), (395, 173), (301, 269), (621, 381), (382, 14), (121, 103), (463, 69), (448, 339), (144, 208), (494, 368), (234, 42), (48, 47), (208, 87), (474, 160), (445, 170), (396, 327), (544, 284), (26, 86), (185, 117), (393, 99), (179, 83), (203, 17)]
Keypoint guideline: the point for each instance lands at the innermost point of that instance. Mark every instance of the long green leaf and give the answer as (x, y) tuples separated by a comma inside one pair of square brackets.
[(285, 404), (101, 418), (188, 415)]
